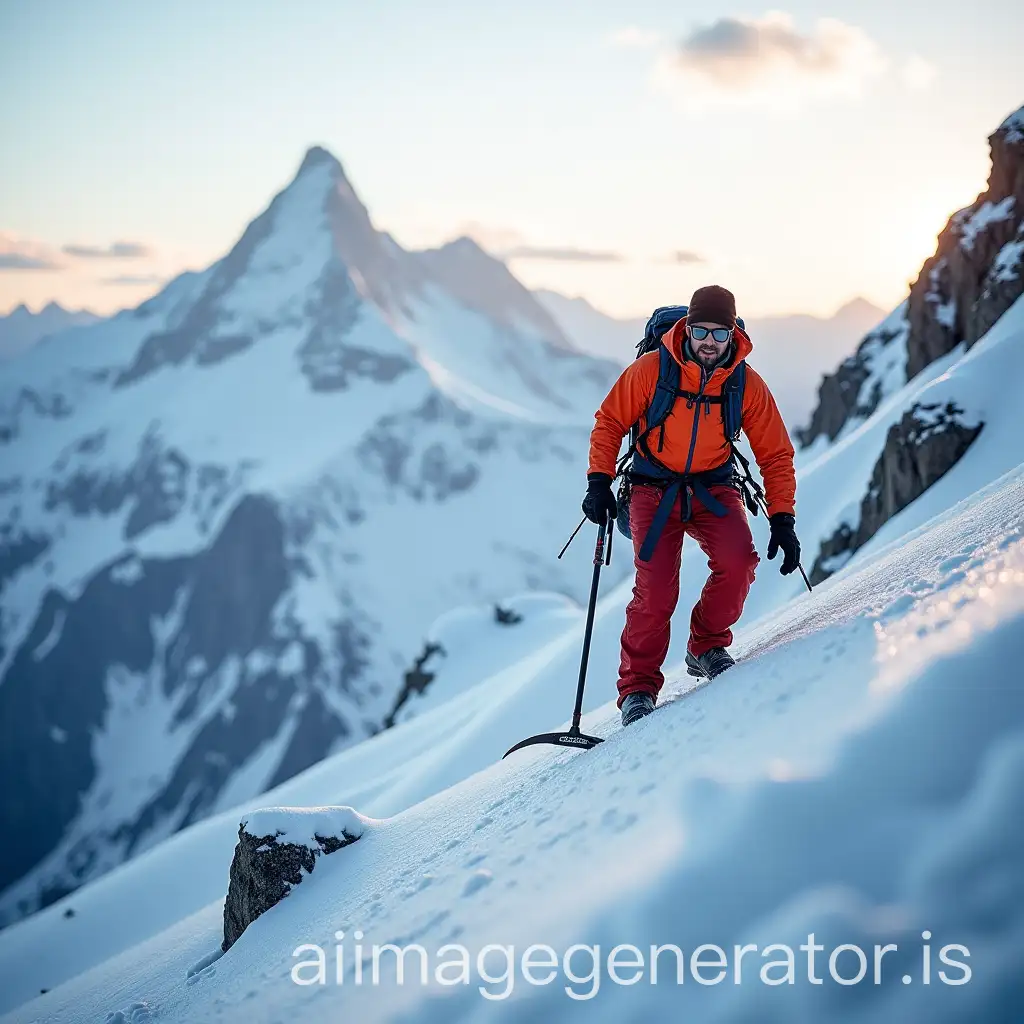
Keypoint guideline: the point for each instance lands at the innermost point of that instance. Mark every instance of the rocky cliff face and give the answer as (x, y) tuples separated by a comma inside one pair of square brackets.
[(974, 276), (856, 389), (919, 449)]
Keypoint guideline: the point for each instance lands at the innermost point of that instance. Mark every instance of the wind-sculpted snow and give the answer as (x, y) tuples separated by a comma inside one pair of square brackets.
[(857, 775)]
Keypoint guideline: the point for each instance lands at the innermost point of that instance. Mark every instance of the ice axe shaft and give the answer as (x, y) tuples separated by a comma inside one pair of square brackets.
[(588, 633), (575, 738)]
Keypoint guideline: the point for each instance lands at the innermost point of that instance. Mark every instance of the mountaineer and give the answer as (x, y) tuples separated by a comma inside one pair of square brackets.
[(684, 401)]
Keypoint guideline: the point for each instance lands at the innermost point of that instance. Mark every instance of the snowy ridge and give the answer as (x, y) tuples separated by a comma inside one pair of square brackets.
[(21, 329)]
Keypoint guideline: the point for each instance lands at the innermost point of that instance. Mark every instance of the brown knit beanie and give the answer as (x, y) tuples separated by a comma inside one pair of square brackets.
[(712, 304)]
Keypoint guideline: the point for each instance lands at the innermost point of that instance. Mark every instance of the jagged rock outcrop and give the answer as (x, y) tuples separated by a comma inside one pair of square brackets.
[(919, 449), (415, 681), (857, 388), (975, 275), (276, 848)]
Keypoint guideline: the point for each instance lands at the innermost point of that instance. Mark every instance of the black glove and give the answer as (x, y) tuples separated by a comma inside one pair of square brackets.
[(784, 536), (599, 504)]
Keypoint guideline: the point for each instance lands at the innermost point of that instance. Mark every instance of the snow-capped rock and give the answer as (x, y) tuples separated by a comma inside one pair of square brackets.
[(277, 847), (919, 449)]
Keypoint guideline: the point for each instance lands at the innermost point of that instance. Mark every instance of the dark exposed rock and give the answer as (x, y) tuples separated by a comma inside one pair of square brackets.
[(220, 602), (415, 681), (198, 334), (327, 360), (955, 299), (155, 485), (28, 400), (233, 592), (18, 550), (840, 396), (70, 640), (397, 449), (318, 729), (267, 863), (918, 451), (506, 616)]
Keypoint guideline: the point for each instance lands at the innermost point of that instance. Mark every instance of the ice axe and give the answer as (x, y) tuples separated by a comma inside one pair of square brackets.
[(575, 738)]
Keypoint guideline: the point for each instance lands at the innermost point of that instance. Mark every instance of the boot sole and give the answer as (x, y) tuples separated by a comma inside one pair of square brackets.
[(636, 716), (693, 668)]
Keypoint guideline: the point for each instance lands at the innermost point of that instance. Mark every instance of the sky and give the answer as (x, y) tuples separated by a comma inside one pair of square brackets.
[(625, 152)]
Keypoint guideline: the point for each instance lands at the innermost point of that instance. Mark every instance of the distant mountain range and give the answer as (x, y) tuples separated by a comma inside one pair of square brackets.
[(791, 352), (21, 328)]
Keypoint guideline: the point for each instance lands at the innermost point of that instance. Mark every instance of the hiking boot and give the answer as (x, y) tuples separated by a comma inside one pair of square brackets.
[(709, 664), (635, 706)]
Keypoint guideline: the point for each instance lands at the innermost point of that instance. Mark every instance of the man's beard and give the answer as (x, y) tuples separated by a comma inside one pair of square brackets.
[(708, 356)]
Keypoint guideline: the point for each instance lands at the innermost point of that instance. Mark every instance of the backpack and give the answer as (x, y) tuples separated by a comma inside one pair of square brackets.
[(639, 457)]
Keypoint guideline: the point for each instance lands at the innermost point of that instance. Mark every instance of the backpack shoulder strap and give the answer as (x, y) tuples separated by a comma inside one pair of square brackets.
[(732, 401), (665, 392)]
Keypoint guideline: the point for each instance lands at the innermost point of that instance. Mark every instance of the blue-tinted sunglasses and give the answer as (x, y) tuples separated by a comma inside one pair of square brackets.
[(720, 334)]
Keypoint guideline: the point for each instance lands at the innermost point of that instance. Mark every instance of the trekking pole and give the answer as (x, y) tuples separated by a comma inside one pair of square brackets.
[(799, 565), (572, 537)]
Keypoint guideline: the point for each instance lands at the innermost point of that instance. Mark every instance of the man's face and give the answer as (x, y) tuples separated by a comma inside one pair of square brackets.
[(706, 349)]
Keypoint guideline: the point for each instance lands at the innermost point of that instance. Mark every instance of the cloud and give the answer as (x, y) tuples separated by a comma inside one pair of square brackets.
[(133, 279), (634, 38), (510, 244), (494, 239), (114, 251), (23, 254), (566, 254), (917, 73), (769, 61)]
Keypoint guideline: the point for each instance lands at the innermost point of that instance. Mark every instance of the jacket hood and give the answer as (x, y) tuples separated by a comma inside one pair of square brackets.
[(675, 338)]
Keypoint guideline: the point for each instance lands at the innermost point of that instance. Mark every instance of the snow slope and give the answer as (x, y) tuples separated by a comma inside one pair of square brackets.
[(859, 775), (498, 682)]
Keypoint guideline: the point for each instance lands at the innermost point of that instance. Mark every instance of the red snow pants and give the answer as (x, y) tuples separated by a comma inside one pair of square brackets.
[(729, 546)]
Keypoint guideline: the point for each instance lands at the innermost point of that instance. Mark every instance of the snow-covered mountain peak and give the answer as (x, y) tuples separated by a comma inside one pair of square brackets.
[(483, 282), (318, 156), (211, 505)]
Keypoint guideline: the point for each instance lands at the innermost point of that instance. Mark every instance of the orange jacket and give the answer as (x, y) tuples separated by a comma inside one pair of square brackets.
[(631, 394)]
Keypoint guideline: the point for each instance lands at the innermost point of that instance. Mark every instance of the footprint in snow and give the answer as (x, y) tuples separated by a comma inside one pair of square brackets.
[(480, 879), (615, 820), (200, 969), (137, 1013)]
